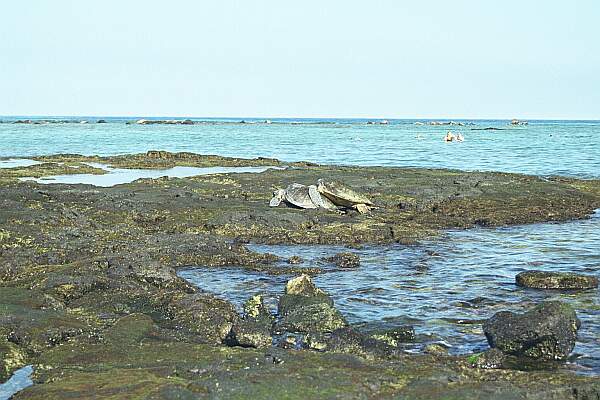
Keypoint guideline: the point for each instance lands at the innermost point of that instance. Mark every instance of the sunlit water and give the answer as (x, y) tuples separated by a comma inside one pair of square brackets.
[(446, 287), (118, 176), (541, 148)]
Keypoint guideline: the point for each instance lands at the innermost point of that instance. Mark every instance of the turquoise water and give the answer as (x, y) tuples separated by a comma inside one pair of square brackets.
[(541, 148)]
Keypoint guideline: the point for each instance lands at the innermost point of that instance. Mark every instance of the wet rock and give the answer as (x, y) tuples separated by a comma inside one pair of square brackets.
[(320, 317), (344, 260), (556, 280), (254, 329), (256, 308), (303, 286), (295, 260), (306, 308), (436, 349), (394, 336), (208, 318), (349, 340), (101, 121), (546, 332), (491, 359), (249, 333)]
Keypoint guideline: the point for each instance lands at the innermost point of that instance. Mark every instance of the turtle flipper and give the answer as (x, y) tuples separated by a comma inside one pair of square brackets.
[(362, 208)]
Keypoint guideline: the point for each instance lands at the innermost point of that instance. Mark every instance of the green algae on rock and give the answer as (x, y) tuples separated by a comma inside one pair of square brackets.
[(546, 332), (556, 280), (90, 297)]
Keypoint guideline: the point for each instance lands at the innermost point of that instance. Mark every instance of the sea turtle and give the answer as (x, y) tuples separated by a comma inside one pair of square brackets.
[(301, 196), (343, 196)]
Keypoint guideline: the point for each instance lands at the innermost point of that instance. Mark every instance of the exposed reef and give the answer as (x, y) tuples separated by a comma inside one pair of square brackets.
[(90, 297)]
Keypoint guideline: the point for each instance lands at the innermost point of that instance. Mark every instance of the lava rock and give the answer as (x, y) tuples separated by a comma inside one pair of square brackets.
[(303, 286), (306, 308), (546, 332), (320, 317), (249, 333), (394, 336), (436, 349), (344, 260), (208, 318), (556, 280), (254, 328), (491, 359), (294, 260)]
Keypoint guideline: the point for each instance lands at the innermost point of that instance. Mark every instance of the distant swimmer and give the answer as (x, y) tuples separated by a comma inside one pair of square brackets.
[(449, 137), (459, 138)]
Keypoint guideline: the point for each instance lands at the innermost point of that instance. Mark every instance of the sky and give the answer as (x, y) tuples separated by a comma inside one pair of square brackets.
[(266, 58)]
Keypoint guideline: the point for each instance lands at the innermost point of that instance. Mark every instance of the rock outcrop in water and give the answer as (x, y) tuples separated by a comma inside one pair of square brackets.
[(547, 332), (254, 328), (344, 260), (305, 308), (556, 280), (164, 122)]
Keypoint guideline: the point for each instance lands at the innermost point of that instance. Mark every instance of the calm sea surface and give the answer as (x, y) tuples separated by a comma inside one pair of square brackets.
[(541, 148)]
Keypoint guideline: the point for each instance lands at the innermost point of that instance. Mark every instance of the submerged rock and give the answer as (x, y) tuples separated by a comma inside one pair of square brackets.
[(556, 280), (546, 332), (344, 260), (306, 308)]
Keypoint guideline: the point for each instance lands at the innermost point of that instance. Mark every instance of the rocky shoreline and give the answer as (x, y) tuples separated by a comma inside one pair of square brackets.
[(90, 296)]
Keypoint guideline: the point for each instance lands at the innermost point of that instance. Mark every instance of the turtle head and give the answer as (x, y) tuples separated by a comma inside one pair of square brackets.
[(278, 197)]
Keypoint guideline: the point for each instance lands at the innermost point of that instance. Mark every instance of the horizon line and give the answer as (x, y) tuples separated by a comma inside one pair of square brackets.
[(297, 118)]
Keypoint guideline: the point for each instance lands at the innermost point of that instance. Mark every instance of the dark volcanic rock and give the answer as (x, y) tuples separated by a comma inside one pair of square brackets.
[(344, 260), (306, 308), (491, 359), (207, 317), (546, 332), (295, 260), (556, 280), (394, 336), (349, 340), (254, 329)]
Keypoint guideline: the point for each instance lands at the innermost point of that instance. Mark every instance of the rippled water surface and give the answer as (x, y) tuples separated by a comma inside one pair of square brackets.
[(444, 287), (541, 148)]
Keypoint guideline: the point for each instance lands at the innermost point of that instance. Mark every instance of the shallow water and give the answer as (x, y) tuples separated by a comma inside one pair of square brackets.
[(541, 148), (20, 380), (445, 287), (117, 176), (17, 163)]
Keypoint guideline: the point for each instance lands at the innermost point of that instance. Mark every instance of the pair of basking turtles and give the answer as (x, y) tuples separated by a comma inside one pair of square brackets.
[(327, 195)]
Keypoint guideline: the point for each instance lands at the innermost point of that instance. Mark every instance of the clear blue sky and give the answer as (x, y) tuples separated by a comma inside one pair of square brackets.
[(346, 58)]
